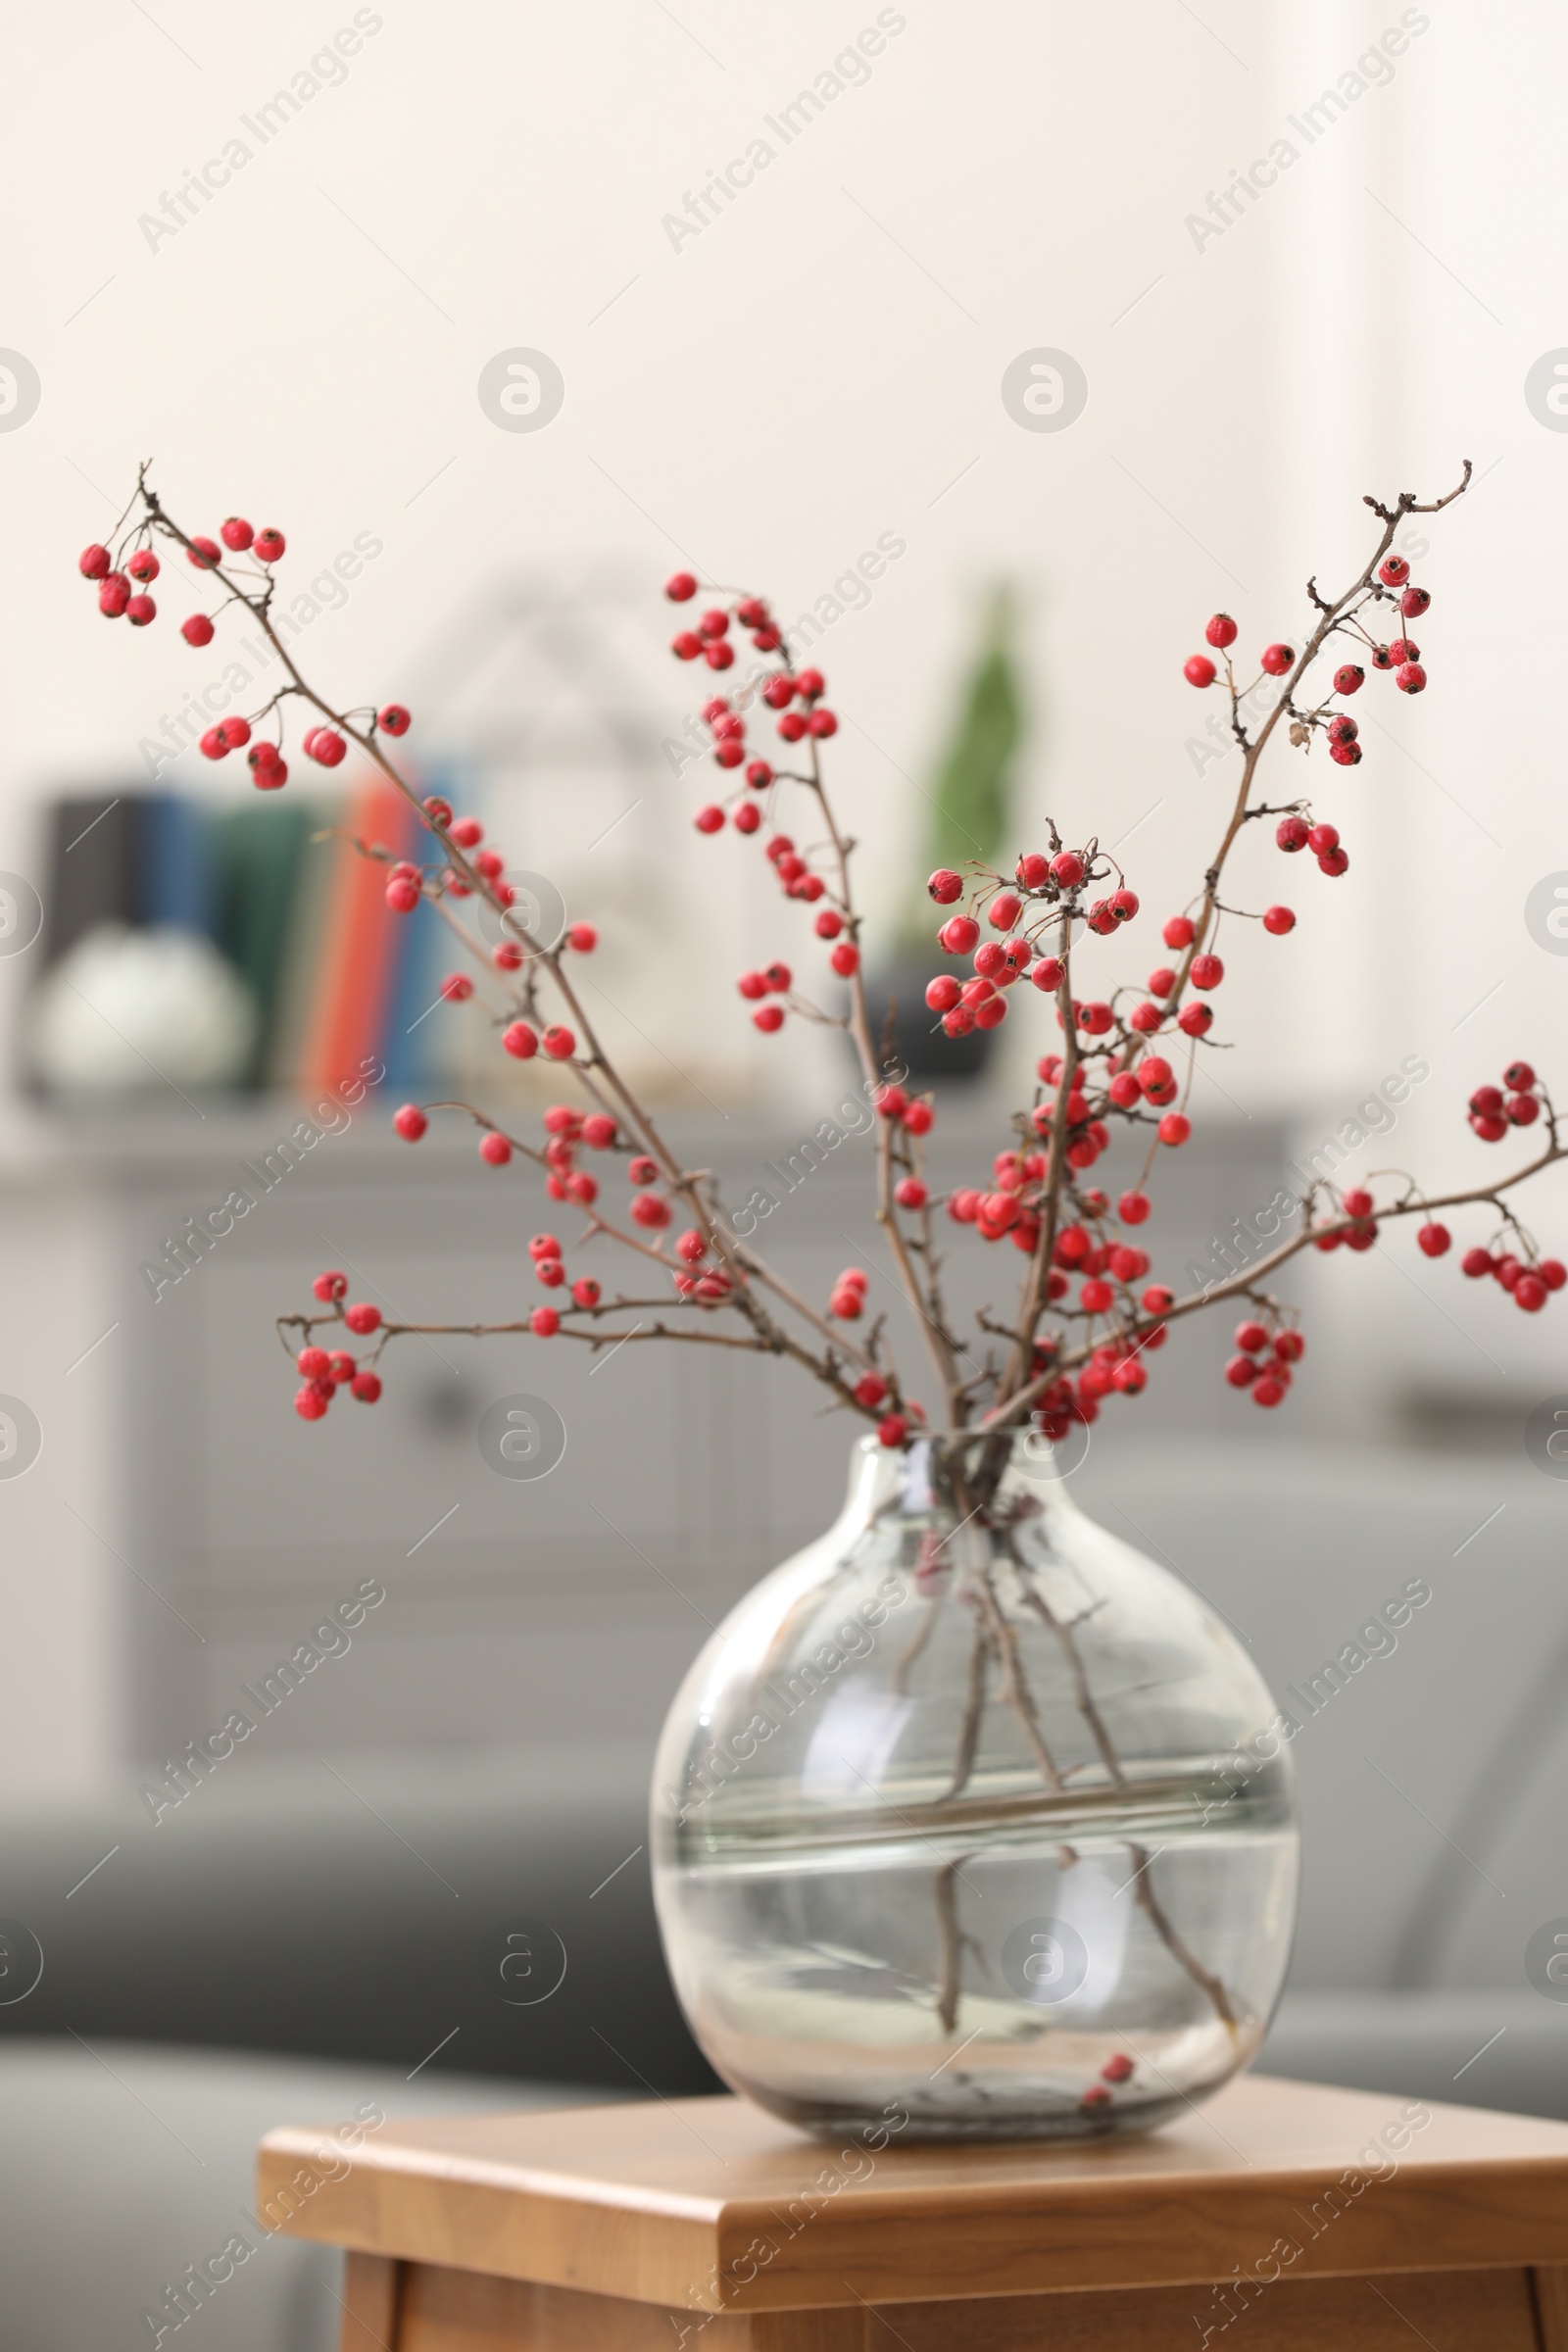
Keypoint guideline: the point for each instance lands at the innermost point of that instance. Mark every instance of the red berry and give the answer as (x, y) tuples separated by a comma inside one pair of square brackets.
[(810, 684), (198, 631), (520, 1040), (1434, 1240), (330, 1287), (1357, 1203), (686, 645), (910, 1192), (1199, 670), (767, 1018), (1250, 1336), (1289, 1346), (958, 934), (325, 746), (1279, 920), (1522, 1110), (1518, 1077), (205, 554), (343, 1367), (94, 562), (268, 544), (893, 1429), (494, 1149), (1348, 678), (710, 819), (1221, 632), (1175, 1127), (681, 587), (945, 886), (1033, 870), (1530, 1292), (309, 1402), (1067, 870), (943, 993), (139, 610), (1292, 833), (1552, 1272), (402, 895), (1133, 1208), (1196, 1020), (559, 1043), (1241, 1371), (1047, 973), (366, 1386), (652, 1210), (717, 653), (1178, 932), (779, 693), (410, 1122), (1277, 659), (730, 752), (641, 1170), (1393, 571), (543, 1322), (870, 1390), (1124, 1089), (1475, 1263), (1004, 910), (114, 596), (313, 1363), (1268, 1390), (363, 1318), (822, 722), (920, 1118), (1414, 602), (1403, 650), (144, 564), (236, 533), (1332, 862), (1205, 971), (759, 775), (1410, 677), (1345, 755), (1124, 904), (393, 719), (543, 1246), (845, 958)]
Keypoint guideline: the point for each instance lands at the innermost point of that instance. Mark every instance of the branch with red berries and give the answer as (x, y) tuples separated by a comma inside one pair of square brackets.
[(1086, 1319)]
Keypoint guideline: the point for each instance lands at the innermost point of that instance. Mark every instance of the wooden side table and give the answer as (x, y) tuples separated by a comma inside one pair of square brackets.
[(1295, 2215)]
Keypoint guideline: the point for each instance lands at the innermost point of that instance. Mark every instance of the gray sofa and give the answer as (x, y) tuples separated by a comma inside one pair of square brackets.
[(292, 1945)]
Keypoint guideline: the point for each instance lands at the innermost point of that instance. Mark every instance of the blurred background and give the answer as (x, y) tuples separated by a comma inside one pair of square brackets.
[(781, 291)]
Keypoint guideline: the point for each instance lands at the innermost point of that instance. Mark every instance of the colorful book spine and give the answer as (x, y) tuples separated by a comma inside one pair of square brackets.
[(361, 950)]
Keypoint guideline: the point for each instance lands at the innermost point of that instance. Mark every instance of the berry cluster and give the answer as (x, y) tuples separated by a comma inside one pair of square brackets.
[(122, 590), (1089, 1316), (1263, 1359), (324, 1371)]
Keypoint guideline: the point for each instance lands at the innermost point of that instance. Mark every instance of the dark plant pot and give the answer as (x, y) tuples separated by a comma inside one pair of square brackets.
[(918, 1035)]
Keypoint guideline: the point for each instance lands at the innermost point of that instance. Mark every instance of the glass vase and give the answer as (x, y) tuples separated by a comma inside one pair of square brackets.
[(971, 1821)]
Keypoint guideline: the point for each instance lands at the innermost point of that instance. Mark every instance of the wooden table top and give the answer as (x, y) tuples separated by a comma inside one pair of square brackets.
[(712, 2205)]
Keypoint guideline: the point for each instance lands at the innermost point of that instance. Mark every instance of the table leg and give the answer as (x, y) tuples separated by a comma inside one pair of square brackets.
[(371, 2296)]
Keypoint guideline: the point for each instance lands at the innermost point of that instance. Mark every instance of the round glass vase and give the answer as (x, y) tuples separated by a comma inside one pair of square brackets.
[(970, 1821)]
